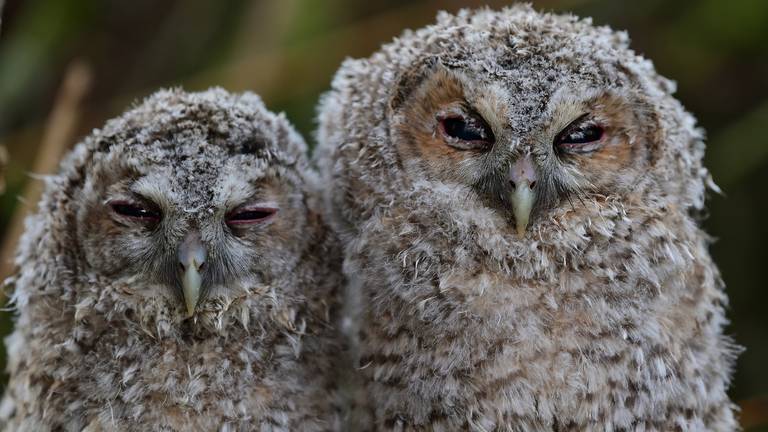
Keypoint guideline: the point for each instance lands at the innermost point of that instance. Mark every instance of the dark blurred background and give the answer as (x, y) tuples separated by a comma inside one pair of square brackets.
[(68, 65)]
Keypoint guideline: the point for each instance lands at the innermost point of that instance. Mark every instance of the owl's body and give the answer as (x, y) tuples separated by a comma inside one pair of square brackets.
[(201, 199), (516, 193)]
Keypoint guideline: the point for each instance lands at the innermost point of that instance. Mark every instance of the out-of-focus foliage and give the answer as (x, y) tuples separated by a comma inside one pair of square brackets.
[(287, 50)]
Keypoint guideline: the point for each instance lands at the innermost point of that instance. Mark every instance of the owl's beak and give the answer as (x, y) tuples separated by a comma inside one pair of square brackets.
[(192, 255), (522, 178)]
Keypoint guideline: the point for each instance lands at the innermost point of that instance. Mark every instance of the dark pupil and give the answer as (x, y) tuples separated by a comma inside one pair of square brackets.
[(584, 134), (460, 129), (250, 215), (134, 211)]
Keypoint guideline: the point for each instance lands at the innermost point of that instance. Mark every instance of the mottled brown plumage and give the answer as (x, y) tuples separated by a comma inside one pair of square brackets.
[(518, 196), (177, 276)]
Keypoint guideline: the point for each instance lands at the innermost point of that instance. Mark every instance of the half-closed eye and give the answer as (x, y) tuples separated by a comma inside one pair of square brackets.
[(465, 132), (583, 135), (249, 215), (135, 211)]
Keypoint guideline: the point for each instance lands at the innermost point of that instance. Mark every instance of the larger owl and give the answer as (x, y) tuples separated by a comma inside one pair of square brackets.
[(519, 196), (177, 276)]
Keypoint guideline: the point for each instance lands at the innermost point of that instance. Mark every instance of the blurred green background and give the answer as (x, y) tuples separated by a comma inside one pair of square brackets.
[(68, 65)]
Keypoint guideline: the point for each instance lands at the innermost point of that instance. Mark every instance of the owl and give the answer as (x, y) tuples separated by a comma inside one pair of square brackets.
[(519, 198), (178, 276)]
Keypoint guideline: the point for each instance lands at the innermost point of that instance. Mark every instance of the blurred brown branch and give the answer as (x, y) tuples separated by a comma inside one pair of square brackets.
[(59, 135)]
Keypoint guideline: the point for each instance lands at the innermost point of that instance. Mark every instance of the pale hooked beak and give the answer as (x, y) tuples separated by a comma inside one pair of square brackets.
[(192, 256), (522, 178)]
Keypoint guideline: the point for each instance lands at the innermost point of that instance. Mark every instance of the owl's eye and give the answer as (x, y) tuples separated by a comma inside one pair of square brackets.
[(250, 215), (466, 132), (135, 211), (581, 136)]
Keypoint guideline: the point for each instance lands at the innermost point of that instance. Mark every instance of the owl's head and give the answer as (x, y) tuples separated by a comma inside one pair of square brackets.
[(185, 205), (529, 113), (583, 139)]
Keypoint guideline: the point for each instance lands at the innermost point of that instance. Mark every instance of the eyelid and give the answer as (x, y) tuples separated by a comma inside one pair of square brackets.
[(253, 204), (253, 208), (133, 197), (573, 125)]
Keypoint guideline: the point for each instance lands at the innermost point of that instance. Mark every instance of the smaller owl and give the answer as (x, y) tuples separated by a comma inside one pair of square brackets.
[(177, 277)]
